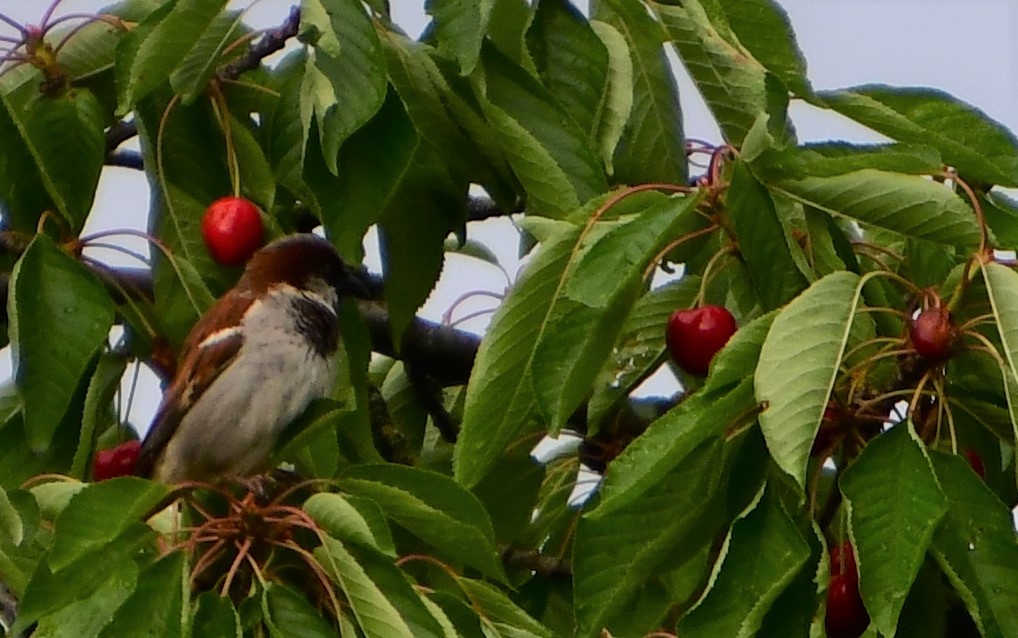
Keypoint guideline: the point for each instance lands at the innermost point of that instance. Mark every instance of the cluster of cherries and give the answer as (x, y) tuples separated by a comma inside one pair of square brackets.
[(693, 336), (232, 230)]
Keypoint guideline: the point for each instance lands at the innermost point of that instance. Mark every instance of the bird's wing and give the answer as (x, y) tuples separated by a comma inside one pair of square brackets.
[(207, 353)]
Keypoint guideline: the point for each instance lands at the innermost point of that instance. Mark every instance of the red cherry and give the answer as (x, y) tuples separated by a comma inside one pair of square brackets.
[(116, 461), (696, 334), (933, 333), (846, 615), (232, 230), (976, 462)]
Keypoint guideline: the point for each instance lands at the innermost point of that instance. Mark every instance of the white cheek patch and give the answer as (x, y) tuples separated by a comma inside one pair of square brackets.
[(219, 336)]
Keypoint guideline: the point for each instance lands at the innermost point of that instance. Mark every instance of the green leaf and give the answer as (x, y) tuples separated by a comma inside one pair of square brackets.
[(652, 147), (341, 520), (432, 507), (762, 553), (101, 388), (216, 617), (37, 131), (154, 607), (428, 99), (829, 159), (617, 104), (148, 54), (188, 176), (344, 79), (499, 612), (100, 513), (600, 286), (500, 395), (570, 59), (977, 146), (88, 616), (731, 80), (48, 592), (376, 615), (798, 364), (667, 442), (640, 349), (549, 153), (290, 613), (411, 245), (763, 27), (762, 239), (191, 77), (738, 359), (400, 592), (460, 26), (894, 505), (615, 555), (1001, 288), (10, 521), (60, 316), (975, 547), (905, 204)]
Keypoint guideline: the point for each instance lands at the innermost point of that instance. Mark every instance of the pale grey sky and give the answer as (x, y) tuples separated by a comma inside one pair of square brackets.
[(963, 48)]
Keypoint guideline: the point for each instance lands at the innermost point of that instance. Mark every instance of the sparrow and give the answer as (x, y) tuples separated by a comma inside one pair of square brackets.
[(252, 364)]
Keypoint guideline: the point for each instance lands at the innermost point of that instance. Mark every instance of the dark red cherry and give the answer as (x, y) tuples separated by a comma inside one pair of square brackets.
[(695, 335)]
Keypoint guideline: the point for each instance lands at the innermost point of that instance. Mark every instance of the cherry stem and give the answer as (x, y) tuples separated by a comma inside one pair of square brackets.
[(164, 185), (250, 85), (247, 37), (49, 12), (472, 315), (447, 315), (659, 257), (878, 249), (975, 321), (103, 270), (222, 112), (980, 216), (120, 249), (111, 20), (701, 294), (18, 27), (242, 550), (946, 406)]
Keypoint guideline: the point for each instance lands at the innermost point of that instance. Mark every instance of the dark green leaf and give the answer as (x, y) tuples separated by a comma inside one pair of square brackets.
[(894, 505), (905, 204), (975, 546), (601, 284), (763, 552), (37, 130), (980, 148), (216, 617), (763, 27), (99, 514), (434, 508), (652, 147), (762, 240), (550, 154), (668, 441), (154, 607), (190, 79), (344, 79), (732, 81), (289, 613), (149, 53), (461, 26), (60, 317), (616, 554)]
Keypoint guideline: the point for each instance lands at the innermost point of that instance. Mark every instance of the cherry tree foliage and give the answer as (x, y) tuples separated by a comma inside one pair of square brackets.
[(845, 467)]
